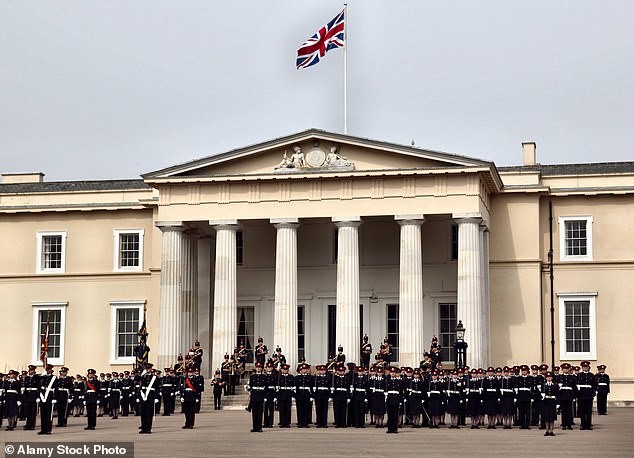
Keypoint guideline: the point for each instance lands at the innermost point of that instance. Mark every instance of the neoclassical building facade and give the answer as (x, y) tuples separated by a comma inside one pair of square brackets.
[(311, 241)]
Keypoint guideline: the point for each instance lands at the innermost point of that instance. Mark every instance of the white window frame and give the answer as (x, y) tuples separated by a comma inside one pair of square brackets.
[(117, 252), (592, 312), (39, 254), (114, 307), (562, 238), (35, 335)]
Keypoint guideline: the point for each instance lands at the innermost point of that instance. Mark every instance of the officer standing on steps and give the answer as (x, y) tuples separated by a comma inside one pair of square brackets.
[(257, 387), (91, 398), (48, 386), (147, 399)]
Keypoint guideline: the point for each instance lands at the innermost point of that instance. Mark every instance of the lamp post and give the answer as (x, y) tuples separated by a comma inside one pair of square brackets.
[(460, 347)]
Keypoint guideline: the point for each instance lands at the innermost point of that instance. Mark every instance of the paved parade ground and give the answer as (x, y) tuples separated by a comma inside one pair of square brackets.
[(226, 433)]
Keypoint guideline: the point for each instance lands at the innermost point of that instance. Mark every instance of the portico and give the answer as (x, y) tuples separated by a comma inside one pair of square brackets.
[(313, 257)]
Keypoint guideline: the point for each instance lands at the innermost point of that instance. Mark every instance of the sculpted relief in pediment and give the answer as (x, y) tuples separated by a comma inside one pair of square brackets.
[(316, 158)]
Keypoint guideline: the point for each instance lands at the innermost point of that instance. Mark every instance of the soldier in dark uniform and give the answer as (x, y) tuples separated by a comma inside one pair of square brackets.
[(197, 357), (278, 359), (285, 388), (378, 389), (147, 399), (366, 352), (169, 388), (474, 399), (303, 395), (524, 387), (225, 370), (602, 382), (393, 399), (436, 399), (179, 367), (535, 394), (115, 395), (92, 399), (550, 395), (12, 399), (135, 398), (30, 392), (189, 396), (321, 394), (103, 395), (350, 376), (158, 390), (567, 392), (217, 385), (360, 393), (331, 365), (200, 383), (257, 388), (126, 391), (385, 353), (260, 352), (340, 396), (507, 397), (340, 358), (48, 386), (543, 369), (491, 394), (585, 395), (415, 390), (270, 394), (62, 396), (454, 392), (79, 390)]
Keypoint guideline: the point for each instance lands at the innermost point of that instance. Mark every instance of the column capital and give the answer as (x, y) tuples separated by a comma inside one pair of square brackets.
[(227, 224), (347, 221), (284, 222), (167, 226), (474, 217), (409, 219)]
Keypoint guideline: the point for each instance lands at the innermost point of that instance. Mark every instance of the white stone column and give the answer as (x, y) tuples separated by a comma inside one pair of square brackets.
[(470, 286), (348, 295), (204, 301), (189, 319), (486, 308), (225, 326), (169, 332), (285, 312), (410, 315)]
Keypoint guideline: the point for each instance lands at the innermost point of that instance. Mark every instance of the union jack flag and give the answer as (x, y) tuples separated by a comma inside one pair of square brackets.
[(329, 37)]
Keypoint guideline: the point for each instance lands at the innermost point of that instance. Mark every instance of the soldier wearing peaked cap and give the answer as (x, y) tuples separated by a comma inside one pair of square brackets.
[(217, 385), (63, 396), (567, 392), (393, 399), (47, 388), (585, 395), (303, 395), (260, 352), (257, 388), (13, 398), (340, 396), (189, 390), (269, 394), (321, 394), (366, 351), (91, 398), (602, 382), (285, 391), (147, 399), (30, 388)]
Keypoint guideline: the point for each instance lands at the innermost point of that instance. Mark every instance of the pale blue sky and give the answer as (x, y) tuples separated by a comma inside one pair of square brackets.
[(100, 90)]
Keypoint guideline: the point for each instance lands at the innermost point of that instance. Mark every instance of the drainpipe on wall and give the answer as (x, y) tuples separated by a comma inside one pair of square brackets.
[(552, 292)]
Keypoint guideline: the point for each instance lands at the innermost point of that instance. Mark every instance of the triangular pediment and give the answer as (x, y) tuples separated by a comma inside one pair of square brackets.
[(348, 154)]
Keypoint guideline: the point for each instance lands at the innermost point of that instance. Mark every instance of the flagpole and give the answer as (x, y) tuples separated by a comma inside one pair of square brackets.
[(345, 69)]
